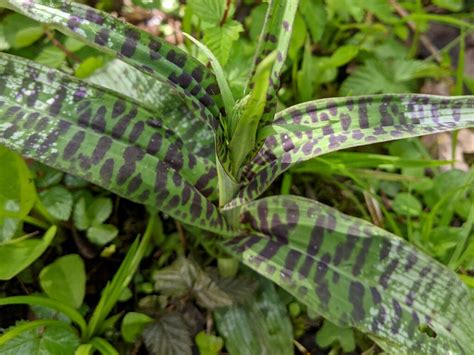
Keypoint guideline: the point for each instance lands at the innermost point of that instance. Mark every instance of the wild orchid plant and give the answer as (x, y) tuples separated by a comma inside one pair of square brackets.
[(183, 144)]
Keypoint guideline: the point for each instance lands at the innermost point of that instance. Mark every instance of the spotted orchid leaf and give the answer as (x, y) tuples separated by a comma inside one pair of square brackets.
[(314, 128), (147, 53), (157, 97), (106, 139), (356, 274), (275, 36)]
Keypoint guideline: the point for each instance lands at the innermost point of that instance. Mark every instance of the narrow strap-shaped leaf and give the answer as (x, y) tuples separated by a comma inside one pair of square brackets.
[(156, 96), (103, 138), (314, 128), (145, 52), (276, 35), (356, 274)]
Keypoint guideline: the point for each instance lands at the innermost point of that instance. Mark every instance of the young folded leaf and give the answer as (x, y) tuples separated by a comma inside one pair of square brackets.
[(276, 35), (356, 274), (147, 53), (318, 127), (104, 138)]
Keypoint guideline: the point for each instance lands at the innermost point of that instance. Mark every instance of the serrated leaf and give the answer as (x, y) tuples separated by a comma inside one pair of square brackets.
[(314, 128), (42, 340), (51, 56), (65, 280), (209, 11), (208, 344), (357, 275), (102, 234), (168, 335), (375, 77), (185, 277), (221, 38), (260, 326), (58, 202)]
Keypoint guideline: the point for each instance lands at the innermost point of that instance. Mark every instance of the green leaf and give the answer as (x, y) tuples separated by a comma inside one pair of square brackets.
[(221, 38), (20, 31), (260, 326), (111, 142), (208, 344), (151, 55), (357, 275), (17, 193), (315, 15), (406, 204), (208, 11), (80, 216), (51, 56), (102, 234), (65, 280), (15, 256), (308, 130), (58, 202), (275, 36), (133, 324), (88, 66), (452, 5), (185, 277), (100, 210), (330, 333), (376, 77), (48, 339), (168, 335)]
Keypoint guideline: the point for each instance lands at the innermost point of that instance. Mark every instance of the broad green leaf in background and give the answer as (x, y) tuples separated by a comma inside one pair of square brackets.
[(315, 16), (208, 344), (65, 280), (260, 326), (17, 255), (102, 234), (51, 56), (221, 38), (20, 31), (330, 333), (406, 204), (58, 202), (133, 324), (17, 193), (209, 11), (452, 5), (44, 340)]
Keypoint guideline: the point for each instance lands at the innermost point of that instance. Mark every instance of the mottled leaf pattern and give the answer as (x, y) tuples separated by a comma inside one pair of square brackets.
[(147, 53), (104, 138), (276, 35), (357, 274), (157, 97), (314, 128)]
